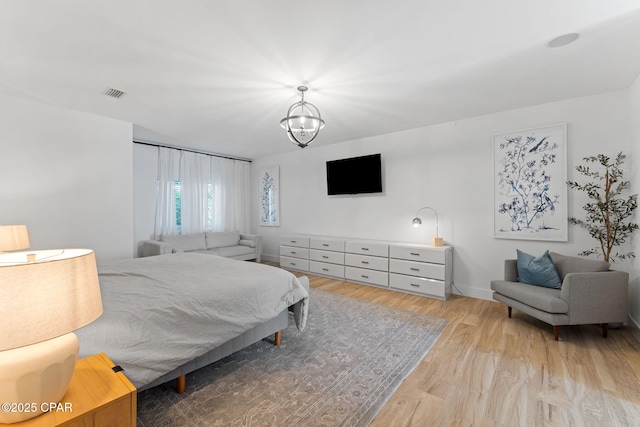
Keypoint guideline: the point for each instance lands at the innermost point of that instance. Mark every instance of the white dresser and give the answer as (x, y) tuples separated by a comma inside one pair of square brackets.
[(423, 270), (326, 256), (294, 252), (367, 262), (413, 268)]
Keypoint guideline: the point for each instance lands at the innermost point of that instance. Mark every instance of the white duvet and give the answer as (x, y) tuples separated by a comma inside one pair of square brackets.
[(163, 311)]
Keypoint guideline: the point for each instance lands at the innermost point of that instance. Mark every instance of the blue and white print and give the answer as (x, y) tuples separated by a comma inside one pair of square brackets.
[(530, 188)]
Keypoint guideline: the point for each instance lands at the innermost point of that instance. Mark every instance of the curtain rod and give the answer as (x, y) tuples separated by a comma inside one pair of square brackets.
[(154, 144)]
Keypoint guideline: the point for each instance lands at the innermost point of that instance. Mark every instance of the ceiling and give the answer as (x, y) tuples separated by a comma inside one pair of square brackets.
[(218, 75)]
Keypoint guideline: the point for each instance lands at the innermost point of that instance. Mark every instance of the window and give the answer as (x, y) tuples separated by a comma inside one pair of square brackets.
[(199, 193), (177, 189), (211, 217)]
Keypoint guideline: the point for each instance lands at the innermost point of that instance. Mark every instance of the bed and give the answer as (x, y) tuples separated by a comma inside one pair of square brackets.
[(168, 315)]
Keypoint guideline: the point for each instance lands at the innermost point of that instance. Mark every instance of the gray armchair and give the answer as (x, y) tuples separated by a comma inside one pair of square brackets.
[(590, 294)]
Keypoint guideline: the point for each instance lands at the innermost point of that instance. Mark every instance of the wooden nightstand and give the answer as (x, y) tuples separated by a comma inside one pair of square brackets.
[(97, 396)]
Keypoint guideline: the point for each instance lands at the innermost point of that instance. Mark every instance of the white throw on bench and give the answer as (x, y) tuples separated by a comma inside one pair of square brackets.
[(228, 244)]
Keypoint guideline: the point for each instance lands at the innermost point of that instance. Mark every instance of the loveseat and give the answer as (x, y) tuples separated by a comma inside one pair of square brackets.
[(588, 292), (228, 244)]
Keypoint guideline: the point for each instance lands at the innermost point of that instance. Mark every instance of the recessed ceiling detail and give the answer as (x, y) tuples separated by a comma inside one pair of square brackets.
[(217, 76), (563, 40)]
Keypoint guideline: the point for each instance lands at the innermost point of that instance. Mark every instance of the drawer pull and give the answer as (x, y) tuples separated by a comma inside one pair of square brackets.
[(325, 269), (365, 249), (325, 244), (364, 277), (294, 241), (294, 252), (325, 257), (365, 262), (293, 263), (414, 285), (415, 269), (415, 254)]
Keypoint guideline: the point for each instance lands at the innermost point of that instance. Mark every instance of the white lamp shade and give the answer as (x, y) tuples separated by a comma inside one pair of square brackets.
[(13, 238), (55, 294)]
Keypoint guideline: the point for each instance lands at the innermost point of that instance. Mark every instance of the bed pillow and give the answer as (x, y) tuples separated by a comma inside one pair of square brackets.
[(247, 242), (538, 271)]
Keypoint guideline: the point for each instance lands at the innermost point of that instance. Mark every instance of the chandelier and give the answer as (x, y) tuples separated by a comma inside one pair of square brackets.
[(303, 121)]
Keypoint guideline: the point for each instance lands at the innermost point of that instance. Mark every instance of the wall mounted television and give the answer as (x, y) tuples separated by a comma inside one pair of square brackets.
[(355, 175)]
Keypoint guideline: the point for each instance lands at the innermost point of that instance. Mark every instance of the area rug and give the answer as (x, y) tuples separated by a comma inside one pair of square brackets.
[(339, 371)]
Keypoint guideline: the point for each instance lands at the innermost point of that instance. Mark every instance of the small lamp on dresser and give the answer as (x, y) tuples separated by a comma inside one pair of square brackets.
[(44, 297), (417, 222)]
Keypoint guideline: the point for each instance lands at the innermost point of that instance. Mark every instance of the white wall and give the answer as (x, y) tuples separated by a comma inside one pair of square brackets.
[(67, 175), (448, 167), (634, 118)]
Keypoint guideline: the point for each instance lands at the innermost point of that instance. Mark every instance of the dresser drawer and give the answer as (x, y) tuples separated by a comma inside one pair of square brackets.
[(418, 285), (298, 241), (326, 256), (294, 263), (364, 261), (292, 251), (422, 269), (356, 274), (326, 269), (412, 253), (327, 244), (367, 248)]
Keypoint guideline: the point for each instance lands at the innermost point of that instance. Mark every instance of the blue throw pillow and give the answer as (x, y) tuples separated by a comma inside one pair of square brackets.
[(538, 271)]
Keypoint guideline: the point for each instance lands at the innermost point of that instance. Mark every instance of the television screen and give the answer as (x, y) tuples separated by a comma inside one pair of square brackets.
[(355, 175)]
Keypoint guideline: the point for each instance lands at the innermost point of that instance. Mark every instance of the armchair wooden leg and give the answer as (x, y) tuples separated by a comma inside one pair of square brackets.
[(556, 332), (605, 329), (509, 311)]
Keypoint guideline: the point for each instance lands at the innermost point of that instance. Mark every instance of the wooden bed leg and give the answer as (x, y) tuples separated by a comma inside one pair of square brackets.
[(556, 332), (181, 384), (509, 311), (278, 338), (605, 330)]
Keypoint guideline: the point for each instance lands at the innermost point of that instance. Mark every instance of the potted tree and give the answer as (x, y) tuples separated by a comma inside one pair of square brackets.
[(609, 211)]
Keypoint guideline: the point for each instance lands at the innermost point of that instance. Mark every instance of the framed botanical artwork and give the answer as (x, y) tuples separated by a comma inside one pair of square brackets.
[(530, 190), (269, 194)]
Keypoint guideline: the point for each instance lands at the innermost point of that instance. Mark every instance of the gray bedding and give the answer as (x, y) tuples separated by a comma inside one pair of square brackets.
[(161, 312)]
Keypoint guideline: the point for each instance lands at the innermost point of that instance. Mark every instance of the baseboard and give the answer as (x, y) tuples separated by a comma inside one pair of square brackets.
[(634, 326), (472, 292), (270, 258), (466, 291)]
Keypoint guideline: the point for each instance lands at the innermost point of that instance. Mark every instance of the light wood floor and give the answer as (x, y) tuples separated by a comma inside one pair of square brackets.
[(489, 370)]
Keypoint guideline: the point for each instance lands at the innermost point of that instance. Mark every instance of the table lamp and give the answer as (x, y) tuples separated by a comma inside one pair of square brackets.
[(436, 241), (13, 238), (43, 298)]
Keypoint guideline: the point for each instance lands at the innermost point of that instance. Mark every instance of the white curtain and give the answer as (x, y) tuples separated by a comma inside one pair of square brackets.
[(222, 178), (195, 174), (214, 193), (242, 195), (168, 175)]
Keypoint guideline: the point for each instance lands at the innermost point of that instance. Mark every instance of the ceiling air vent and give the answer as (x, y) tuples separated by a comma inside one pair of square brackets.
[(114, 93)]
